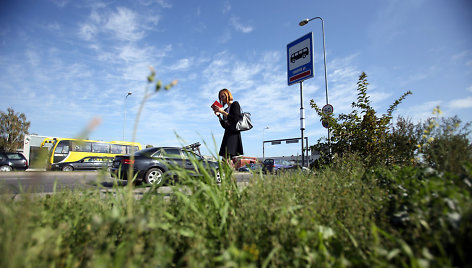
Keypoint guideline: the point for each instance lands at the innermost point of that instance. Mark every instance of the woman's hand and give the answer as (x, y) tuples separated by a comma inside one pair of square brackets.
[(218, 110)]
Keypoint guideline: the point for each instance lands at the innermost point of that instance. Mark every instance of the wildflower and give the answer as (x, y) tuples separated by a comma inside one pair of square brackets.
[(431, 139), (151, 77), (171, 84)]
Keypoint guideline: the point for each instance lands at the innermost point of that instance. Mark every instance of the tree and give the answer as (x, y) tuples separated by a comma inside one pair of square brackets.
[(444, 143), (13, 128), (361, 131)]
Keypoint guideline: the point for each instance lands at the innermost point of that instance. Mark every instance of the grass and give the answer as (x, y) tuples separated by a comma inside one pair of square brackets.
[(342, 216)]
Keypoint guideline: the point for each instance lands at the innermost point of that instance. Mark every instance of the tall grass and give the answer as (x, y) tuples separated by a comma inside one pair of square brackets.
[(342, 216)]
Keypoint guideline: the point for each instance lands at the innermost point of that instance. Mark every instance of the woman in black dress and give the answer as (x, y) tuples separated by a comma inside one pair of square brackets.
[(232, 144)]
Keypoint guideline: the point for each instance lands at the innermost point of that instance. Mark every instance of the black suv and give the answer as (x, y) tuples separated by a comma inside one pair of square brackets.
[(12, 161), (153, 164)]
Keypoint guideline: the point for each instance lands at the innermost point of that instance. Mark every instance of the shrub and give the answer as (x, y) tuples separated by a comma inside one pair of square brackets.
[(361, 131)]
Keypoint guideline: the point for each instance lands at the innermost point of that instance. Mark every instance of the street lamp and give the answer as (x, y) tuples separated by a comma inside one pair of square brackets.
[(302, 23), (263, 149), (124, 121)]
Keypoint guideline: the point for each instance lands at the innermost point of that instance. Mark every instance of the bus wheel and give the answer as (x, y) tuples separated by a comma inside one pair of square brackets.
[(153, 176), (68, 168)]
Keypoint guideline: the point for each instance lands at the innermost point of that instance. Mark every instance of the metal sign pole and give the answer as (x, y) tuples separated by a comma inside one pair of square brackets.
[(302, 121)]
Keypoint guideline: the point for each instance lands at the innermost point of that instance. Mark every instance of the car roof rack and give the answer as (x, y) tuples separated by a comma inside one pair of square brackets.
[(194, 147)]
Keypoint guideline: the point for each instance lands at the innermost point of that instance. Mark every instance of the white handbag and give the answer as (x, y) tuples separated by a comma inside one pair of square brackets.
[(245, 122)]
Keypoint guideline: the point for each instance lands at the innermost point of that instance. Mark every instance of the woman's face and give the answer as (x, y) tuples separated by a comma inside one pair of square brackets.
[(223, 98)]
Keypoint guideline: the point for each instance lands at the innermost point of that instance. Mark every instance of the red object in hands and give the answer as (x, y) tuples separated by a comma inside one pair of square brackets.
[(216, 103)]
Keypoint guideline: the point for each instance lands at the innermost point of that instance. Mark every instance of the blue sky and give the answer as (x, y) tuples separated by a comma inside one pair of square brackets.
[(63, 63)]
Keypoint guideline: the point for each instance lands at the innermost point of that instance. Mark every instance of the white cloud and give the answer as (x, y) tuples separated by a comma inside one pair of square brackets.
[(224, 38), (53, 27), (124, 24), (87, 31), (182, 64), (462, 55), (164, 3), (421, 111), (234, 21), (60, 3), (33, 57), (226, 7), (461, 103)]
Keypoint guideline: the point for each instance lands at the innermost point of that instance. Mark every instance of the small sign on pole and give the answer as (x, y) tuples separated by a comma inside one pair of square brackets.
[(328, 109), (325, 124), (300, 59)]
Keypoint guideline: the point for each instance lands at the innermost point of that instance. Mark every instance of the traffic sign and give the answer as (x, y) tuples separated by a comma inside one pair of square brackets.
[(328, 109), (325, 124), (300, 59)]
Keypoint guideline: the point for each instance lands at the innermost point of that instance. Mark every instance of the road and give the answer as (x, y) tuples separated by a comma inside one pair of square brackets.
[(48, 182)]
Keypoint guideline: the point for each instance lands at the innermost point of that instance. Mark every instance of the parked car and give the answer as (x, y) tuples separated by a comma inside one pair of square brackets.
[(275, 165), (12, 161), (157, 165), (250, 167), (86, 163)]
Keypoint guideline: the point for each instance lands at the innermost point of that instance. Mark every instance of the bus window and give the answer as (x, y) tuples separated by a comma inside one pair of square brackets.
[(131, 149), (62, 147), (118, 149), (100, 148), (81, 146)]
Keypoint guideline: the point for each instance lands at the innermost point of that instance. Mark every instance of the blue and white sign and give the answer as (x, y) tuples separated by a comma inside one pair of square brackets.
[(300, 59)]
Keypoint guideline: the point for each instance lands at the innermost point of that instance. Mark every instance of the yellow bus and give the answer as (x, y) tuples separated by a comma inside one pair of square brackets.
[(63, 150)]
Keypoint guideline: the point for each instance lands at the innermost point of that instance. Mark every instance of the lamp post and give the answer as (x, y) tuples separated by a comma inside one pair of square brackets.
[(124, 121), (263, 149), (302, 23)]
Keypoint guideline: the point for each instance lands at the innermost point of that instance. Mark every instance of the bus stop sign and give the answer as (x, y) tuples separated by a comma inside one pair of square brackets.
[(300, 59)]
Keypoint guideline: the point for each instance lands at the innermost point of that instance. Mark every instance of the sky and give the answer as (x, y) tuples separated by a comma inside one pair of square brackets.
[(65, 63)]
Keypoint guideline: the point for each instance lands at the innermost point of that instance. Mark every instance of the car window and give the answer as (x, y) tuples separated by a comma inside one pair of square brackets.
[(189, 155), (146, 152), (171, 152), (2, 157), (14, 156)]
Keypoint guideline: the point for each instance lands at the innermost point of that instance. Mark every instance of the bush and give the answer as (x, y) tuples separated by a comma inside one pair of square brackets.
[(345, 215), (361, 132)]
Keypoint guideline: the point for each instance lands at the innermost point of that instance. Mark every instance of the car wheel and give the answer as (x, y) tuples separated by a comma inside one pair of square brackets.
[(153, 176), (218, 176), (68, 168), (5, 168)]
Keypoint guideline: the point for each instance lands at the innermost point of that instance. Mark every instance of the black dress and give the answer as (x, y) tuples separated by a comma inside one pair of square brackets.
[(232, 144)]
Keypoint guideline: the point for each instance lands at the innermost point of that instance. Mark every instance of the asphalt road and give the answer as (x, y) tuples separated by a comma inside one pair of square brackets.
[(48, 182)]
